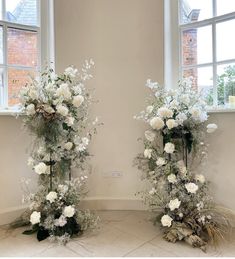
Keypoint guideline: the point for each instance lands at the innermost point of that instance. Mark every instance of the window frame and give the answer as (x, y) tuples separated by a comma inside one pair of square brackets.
[(173, 53), (45, 39)]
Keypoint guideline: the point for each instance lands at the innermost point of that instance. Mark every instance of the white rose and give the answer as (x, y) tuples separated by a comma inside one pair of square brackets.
[(69, 211), (78, 100), (196, 113), (70, 71), (35, 217), (41, 168), (48, 109), (156, 123), (33, 94), (211, 127), (68, 145), (171, 123), (174, 204), (169, 148), (165, 112), (63, 91), (181, 215), (70, 121), (149, 109), (51, 197), (61, 221), (61, 109), (30, 109), (152, 191), (172, 178), (149, 135), (160, 161), (166, 221), (200, 178), (148, 153), (191, 187)]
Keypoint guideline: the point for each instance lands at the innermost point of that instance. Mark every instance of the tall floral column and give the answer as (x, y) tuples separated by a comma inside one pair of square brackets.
[(172, 162), (56, 111)]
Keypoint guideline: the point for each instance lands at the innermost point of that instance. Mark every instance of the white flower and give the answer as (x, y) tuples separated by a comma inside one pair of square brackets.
[(63, 188), (48, 109), (33, 94), (148, 153), (69, 211), (156, 123), (30, 161), (78, 100), (169, 148), (181, 215), (166, 221), (41, 168), (200, 178), (211, 127), (152, 191), (174, 204), (68, 145), (181, 117), (51, 197), (172, 178), (182, 168), (196, 113), (160, 161), (185, 99), (63, 91), (70, 71), (191, 187), (171, 123), (149, 109), (165, 112), (85, 141), (149, 135), (61, 221), (203, 117), (30, 109), (70, 121), (35, 217), (61, 109), (174, 105)]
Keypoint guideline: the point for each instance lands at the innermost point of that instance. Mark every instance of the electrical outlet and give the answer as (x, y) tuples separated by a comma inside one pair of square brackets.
[(113, 174)]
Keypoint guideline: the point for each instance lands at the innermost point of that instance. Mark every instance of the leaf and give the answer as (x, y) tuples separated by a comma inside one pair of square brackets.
[(42, 234), (29, 232)]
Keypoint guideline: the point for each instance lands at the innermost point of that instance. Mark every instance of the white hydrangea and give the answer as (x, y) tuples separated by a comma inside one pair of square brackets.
[(150, 135), (148, 153), (41, 168), (166, 221), (157, 123), (68, 145), (171, 123), (169, 148), (70, 71), (78, 100), (33, 94), (51, 197), (200, 178), (172, 178), (30, 109), (174, 204), (181, 117), (69, 211), (61, 221), (160, 161), (212, 127), (35, 217), (191, 187), (62, 109), (64, 91), (164, 112)]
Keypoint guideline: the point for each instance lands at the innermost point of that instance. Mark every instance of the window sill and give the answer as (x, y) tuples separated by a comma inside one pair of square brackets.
[(10, 112), (221, 109)]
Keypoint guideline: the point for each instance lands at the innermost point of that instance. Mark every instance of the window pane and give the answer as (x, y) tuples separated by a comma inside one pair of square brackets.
[(22, 11), (195, 10), (1, 87), (22, 48), (203, 81), (1, 45), (16, 80), (225, 6), (226, 84), (195, 49), (225, 40)]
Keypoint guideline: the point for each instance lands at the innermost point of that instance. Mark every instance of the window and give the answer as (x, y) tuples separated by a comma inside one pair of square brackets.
[(206, 48), (24, 45)]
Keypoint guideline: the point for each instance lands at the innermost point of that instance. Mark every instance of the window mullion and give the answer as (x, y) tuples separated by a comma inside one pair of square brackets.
[(4, 9), (5, 72), (214, 50)]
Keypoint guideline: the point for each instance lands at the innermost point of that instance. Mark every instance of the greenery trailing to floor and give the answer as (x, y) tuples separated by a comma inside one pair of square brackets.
[(56, 109), (173, 162)]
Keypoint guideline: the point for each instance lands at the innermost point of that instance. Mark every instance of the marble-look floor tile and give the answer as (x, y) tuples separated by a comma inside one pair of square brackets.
[(58, 251)]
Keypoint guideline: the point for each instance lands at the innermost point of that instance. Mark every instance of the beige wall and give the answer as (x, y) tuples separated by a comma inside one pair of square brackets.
[(125, 38)]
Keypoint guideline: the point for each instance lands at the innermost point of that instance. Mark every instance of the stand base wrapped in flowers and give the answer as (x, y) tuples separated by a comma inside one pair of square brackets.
[(173, 162)]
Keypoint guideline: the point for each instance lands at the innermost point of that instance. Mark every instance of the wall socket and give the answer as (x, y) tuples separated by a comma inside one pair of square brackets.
[(113, 174)]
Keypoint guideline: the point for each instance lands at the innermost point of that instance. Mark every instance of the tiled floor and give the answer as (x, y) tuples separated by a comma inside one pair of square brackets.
[(121, 233)]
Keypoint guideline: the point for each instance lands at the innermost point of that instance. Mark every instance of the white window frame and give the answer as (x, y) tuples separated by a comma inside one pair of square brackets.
[(173, 46), (45, 33)]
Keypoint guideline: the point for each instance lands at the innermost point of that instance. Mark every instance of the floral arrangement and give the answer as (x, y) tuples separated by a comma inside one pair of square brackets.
[(56, 109), (175, 150)]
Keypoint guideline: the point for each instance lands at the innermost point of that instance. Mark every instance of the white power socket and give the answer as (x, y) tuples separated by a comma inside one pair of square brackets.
[(113, 174)]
